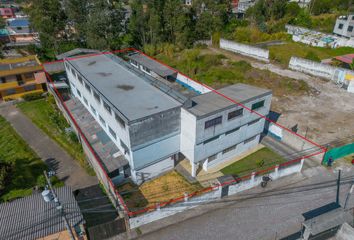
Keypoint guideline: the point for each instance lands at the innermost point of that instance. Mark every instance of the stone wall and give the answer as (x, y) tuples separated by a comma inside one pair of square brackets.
[(246, 50)]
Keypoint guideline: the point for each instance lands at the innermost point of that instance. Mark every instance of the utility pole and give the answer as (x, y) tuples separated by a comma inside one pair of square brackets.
[(338, 186), (59, 207)]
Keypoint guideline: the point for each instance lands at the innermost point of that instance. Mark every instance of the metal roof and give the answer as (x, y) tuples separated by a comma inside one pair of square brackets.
[(212, 102), (152, 64), (32, 218), (76, 52), (124, 88), (24, 22), (346, 58)]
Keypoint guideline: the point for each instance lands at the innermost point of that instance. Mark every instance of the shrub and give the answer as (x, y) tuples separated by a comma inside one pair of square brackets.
[(312, 56), (32, 96)]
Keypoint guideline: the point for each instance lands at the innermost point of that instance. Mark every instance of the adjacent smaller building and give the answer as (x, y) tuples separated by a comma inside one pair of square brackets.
[(31, 218), (21, 33), (345, 26), (20, 76), (7, 13)]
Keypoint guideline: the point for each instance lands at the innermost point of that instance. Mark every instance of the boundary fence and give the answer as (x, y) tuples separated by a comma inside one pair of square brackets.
[(118, 200)]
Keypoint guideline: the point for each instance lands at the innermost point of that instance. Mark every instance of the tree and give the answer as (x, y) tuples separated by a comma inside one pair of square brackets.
[(321, 6)]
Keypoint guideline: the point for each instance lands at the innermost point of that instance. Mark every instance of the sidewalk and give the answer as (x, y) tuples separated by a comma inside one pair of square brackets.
[(67, 168)]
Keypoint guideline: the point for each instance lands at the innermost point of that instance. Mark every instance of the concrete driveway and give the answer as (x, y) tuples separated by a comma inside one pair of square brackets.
[(66, 167)]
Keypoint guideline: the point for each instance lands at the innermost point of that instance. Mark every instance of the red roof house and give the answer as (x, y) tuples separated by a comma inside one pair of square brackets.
[(7, 13)]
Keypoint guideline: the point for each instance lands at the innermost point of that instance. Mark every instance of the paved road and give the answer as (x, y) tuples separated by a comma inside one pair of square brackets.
[(256, 214), (66, 167)]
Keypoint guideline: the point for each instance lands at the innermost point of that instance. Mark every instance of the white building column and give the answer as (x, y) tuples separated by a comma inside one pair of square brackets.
[(205, 165), (194, 169), (276, 171)]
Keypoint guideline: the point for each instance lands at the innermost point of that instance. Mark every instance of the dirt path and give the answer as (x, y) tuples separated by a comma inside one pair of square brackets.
[(66, 168), (327, 114)]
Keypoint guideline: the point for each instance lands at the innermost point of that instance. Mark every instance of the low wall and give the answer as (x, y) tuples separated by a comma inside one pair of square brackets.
[(340, 76), (191, 84), (246, 50), (215, 193)]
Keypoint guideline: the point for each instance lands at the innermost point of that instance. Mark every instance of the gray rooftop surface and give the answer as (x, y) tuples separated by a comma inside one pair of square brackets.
[(32, 218), (153, 65), (212, 102), (123, 88)]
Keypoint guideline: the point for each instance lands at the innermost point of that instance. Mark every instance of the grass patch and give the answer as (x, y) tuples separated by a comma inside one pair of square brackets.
[(218, 71), (161, 189), (48, 118), (262, 159), (24, 168), (283, 53)]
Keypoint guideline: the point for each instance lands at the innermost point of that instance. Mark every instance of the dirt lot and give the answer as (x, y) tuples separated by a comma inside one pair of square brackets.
[(327, 111)]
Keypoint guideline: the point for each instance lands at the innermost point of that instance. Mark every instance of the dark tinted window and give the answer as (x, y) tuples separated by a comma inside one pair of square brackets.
[(257, 105), (213, 122), (235, 114)]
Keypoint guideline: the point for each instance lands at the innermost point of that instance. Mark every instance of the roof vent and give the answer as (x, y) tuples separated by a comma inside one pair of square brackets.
[(47, 196)]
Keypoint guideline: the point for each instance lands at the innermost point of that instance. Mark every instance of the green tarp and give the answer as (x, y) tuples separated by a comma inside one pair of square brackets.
[(338, 152)]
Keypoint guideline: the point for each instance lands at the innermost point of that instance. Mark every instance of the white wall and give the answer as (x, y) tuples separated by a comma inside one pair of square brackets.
[(335, 74), (188, 134), (246, 50), (213, 195), (188, 82)]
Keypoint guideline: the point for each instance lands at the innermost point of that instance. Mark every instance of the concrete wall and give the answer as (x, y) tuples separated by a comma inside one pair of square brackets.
[(246, 50), (190, 83), (338, 75), (213, 195)]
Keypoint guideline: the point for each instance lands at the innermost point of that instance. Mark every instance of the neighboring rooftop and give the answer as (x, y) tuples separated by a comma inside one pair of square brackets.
[(10, 66), (19, 22), (210, 103), (152, 64), (124, 88), (76, 52), (31, 217), (346, 58)]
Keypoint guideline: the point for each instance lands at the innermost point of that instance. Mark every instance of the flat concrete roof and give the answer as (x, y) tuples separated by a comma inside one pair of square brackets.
[(211, 102), (151, 64), (124, 88)]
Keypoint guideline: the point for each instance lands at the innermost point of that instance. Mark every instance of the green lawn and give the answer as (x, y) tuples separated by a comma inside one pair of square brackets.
[(262, 159), (20, 167), (47, 117), (283, 53)]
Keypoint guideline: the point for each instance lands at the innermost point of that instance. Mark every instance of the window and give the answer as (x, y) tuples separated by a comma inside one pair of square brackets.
[(145, 69), (102, 120), (212, 157), (78, 92), (85, 101), (120, 120), (30, 87), (235, 114), (95, 94), (229, 149), (88, 87), (350, 29), (257, 105), (249, 140), (107, 107), (80, 79), (126, 150), (210, 140), (112, 132), (340, 26), (352, 17), (213, 122), (29, 75), (93, 110), (232, 131), (253, 122), (3, 80)]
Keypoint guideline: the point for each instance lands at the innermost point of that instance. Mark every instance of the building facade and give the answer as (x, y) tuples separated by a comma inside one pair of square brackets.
[(344, 26), (21, 76), (152, 121)]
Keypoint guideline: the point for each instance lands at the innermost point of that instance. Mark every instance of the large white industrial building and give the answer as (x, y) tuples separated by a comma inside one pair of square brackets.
[(153, 119)]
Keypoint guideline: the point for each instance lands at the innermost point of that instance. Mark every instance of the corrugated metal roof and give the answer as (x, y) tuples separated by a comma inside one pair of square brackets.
[(32, 218)]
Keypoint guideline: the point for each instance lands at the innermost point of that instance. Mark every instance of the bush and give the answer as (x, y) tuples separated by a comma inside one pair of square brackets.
[(312, 56), (32, 96)]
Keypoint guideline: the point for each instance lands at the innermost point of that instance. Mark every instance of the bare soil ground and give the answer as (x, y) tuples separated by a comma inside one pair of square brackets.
[(327, 110)]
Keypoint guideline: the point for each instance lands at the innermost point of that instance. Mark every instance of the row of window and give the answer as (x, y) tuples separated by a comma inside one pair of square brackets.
[(229, 149), (230, 131), (232, 115), (97, 97), (350, 28)]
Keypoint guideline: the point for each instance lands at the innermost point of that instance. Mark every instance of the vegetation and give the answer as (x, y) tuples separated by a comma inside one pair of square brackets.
[(162, 189), (283, 53), (20, 168), (218, 71), (47, 117), (32, 96), (260, 160)]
